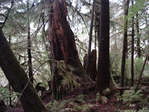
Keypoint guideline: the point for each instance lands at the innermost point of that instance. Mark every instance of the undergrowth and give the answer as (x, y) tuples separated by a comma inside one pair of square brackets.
[(5, 95)]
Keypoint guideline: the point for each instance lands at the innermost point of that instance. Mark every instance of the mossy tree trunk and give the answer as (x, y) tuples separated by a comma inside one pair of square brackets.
[(18, 78), (62, 43)]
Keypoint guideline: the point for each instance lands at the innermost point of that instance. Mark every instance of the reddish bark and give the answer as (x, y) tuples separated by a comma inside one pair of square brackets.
[(61, 36), (63, 46)]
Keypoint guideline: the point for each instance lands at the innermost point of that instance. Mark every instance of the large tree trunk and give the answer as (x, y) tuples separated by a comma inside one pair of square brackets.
[(103, 77), (62, 45), (18, 78), (62, 39), (124, 51)]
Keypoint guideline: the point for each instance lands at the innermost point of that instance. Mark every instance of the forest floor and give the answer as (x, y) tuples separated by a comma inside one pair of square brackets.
[(91, 102)]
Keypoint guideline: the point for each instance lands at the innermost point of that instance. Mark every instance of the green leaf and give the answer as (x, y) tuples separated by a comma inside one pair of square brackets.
[(139, 5)]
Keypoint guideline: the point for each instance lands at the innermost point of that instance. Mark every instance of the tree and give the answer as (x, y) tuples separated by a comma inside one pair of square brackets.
[(90, 58), (18, 78), (90, 36), (103, 77), (97, 17), (62, 44), (124, 51), (91, 71), (132, 51), (138, 36), (61, 37), (30, 70)]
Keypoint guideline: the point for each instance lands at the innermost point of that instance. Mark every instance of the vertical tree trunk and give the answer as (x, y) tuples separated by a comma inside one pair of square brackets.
[(91, 71), (103, 77), (124, 51), (61, 37), (90, 36), (97, 17), (10, 90), (18, 78), (138, 36), (30, 70), (132, 51)]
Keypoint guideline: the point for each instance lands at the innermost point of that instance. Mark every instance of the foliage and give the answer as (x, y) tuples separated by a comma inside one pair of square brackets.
[(139, 5), (130, 97), (115, 62), (69, 105), (141, 110), (138, 63), (69, 80), (16, 28), (55, 106), (5, 94)]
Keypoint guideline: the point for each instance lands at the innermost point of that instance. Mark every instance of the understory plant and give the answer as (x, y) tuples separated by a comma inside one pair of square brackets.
[(76, 104), (5, 95)]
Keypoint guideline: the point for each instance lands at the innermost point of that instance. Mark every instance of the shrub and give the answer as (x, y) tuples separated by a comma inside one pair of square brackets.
[(5, 95)]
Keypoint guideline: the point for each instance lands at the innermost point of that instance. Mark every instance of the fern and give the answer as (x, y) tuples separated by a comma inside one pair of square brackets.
[(130, 96)]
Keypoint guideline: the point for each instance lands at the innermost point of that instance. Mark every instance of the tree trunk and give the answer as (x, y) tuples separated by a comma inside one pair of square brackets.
[(97, 17), (103, 77), (138, 36), (124, 51), (18, 78), (132, 51), (90, 37), (10, 89), (91, 71), (62, 45), (30, 70), (62, 39)]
